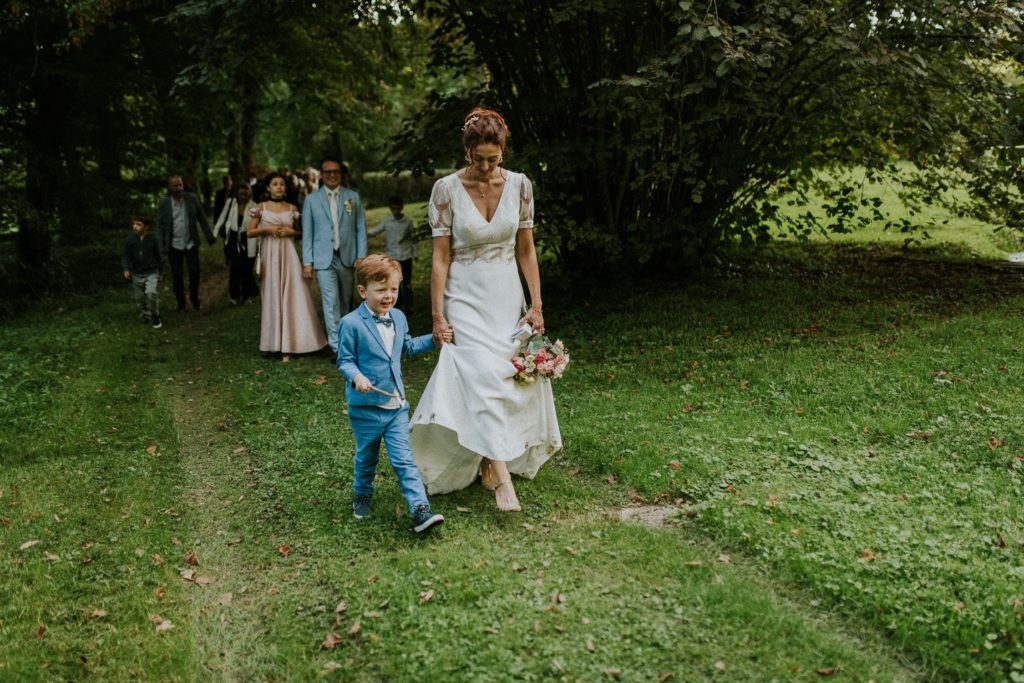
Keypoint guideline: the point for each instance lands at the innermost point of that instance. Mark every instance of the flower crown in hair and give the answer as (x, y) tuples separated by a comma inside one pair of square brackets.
[(469, 122)]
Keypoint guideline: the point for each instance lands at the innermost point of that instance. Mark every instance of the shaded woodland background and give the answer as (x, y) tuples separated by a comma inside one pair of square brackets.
[(657, 133)]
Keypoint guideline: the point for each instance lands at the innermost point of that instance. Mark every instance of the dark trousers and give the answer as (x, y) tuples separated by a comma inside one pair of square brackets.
[(404, 302), (191, 258), (241, 283)]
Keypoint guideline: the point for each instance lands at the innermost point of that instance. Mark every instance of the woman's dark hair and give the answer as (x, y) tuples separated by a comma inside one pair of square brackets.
[(484, 126)]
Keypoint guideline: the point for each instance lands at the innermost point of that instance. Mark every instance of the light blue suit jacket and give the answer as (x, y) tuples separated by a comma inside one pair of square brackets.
[(361, 351), (318, 229)]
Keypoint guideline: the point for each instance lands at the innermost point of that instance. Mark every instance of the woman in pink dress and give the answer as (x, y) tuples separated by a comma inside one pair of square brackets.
[(288, 319)]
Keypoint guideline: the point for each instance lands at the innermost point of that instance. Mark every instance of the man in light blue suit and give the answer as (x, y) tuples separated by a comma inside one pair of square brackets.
[(333, 239)]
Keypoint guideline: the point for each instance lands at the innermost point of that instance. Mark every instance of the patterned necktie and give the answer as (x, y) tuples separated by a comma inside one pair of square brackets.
[(381, 320)]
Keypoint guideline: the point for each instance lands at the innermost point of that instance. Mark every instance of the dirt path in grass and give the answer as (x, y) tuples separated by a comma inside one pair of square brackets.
[(233, 582)]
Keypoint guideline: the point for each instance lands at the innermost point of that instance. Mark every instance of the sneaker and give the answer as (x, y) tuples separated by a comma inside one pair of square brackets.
[(361, 506), (424, 519), (157, 324)]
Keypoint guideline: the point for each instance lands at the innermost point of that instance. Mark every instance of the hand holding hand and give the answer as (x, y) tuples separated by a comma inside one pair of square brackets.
[(362, 384), (448, 335), (442, 329), (307, 271), (127, 274)]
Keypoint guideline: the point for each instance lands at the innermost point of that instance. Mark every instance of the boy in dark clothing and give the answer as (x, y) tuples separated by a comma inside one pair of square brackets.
[(140, 263)]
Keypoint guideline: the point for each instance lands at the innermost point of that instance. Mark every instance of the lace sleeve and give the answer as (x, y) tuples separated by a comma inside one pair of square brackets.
[(525, 204), (439, 211)]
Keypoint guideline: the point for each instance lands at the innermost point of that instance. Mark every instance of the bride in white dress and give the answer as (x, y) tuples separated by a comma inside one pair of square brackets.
[(473, 417)]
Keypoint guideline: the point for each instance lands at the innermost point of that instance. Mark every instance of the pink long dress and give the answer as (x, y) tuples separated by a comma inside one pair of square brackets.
[(289, 322)]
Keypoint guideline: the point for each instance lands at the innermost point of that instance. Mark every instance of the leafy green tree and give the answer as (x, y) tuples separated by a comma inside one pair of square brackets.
[(658, 131)]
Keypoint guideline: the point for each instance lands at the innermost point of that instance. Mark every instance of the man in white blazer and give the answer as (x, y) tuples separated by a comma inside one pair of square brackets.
[(333, 239)]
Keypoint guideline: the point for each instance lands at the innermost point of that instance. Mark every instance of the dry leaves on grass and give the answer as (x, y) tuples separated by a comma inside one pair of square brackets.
[(190, 558), (331, 640), (426, 596), (151, 449), (161, 623), (320, 380), (40, 631), (27, 544), (283, 550), (94, 614)]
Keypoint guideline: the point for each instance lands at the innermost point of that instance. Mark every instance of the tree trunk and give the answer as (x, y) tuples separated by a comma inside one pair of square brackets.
[(42, 176)]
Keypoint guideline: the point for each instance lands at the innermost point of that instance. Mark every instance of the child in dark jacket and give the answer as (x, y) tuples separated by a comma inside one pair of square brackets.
[(140, 263)]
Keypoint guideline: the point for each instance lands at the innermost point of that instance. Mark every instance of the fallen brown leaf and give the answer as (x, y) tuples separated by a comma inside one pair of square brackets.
[(868, 555), (151, 449), (40, 631), (161, 623), (190, 558), (27, 544), (320, 380), (426, 596), (828, 671), (331, 641), (341, 608), (355, 628), (224, 598), (283, 550)]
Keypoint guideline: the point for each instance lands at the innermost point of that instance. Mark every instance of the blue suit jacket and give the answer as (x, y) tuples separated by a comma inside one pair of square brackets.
[(318, 229), (361, 351)]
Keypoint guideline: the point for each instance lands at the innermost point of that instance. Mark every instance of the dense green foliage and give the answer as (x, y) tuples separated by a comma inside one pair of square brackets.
[(101, 100), (657, 130)]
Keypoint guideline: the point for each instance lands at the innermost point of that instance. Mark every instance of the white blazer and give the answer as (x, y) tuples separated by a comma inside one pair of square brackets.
[(229, 222)]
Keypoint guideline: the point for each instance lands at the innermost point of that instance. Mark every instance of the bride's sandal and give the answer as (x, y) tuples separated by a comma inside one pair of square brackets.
[(504, 492), (488, 477)]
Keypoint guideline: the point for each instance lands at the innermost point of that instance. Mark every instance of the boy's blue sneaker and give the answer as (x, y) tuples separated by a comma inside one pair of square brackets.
[(424, 519), (361, 506)]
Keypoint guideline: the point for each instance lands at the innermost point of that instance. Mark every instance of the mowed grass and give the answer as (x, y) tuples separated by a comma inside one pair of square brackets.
[(837, 429), (936, 227)]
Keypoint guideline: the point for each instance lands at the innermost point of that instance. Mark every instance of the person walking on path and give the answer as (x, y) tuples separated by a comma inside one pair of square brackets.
[(333, 239), (179, 217)]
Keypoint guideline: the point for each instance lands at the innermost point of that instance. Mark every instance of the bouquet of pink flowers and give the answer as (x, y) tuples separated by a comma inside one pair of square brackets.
[(538, 357)]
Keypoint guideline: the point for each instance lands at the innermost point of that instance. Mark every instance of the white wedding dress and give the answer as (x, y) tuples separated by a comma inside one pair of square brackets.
[(471, 407)]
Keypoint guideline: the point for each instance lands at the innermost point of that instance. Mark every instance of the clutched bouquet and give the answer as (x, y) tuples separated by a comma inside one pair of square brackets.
[(538, 357)]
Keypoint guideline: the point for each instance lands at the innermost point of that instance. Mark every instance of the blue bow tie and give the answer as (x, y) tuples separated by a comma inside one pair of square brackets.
[(381, 320)]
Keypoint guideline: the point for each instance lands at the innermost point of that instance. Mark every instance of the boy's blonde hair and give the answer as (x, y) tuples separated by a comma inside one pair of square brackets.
[(377, 268)]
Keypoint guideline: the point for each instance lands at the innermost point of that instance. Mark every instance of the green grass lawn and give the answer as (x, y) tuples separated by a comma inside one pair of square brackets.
[(836, 429), (936, 227)]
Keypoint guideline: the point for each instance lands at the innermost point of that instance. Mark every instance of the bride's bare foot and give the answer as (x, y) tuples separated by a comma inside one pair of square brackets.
[(504, 492), (488, 477)]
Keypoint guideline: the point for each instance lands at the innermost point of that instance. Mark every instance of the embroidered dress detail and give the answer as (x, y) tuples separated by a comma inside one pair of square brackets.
[(487, 252)]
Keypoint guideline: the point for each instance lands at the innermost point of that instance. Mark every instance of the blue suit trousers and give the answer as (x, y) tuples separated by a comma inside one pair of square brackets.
[(371, 425)]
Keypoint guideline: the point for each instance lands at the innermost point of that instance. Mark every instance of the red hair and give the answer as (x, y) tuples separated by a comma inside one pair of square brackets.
[(377, 268), (484, 126)]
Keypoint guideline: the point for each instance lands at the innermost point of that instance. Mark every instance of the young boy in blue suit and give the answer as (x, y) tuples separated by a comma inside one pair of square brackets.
[(371, 341)]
